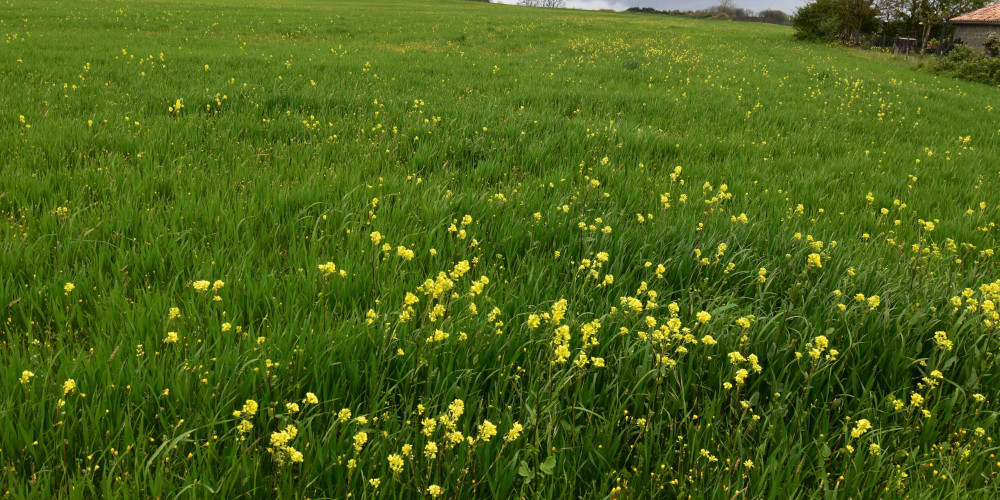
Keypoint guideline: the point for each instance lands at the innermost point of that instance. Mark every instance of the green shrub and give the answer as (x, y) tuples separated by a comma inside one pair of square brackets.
[(968, 64), (819, 20)]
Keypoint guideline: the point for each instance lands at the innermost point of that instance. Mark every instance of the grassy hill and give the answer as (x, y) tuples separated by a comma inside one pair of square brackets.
[(450, 249)]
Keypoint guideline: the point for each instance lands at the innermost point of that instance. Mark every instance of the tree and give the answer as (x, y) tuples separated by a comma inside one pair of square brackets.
[(729, 8), (937, 12), (906, 16), (858, 18), (835, 20), (726, 6)]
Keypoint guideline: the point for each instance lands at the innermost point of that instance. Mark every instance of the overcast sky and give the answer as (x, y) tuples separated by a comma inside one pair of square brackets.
[(788, 6)]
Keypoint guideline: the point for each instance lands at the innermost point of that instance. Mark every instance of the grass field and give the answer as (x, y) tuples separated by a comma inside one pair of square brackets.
[(325, 249)]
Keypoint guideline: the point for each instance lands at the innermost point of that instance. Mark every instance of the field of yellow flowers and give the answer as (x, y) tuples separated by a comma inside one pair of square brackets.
[(445, 249)]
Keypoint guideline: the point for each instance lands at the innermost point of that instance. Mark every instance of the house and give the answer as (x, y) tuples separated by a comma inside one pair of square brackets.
[(972, 28)]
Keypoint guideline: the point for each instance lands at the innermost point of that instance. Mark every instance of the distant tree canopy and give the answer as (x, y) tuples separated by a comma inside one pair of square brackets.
[(729, 8), (650, 10), (542, 3), (725, 10), (773, 16)]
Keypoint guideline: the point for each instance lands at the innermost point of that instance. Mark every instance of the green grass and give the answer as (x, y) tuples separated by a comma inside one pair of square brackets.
[(545, 127)]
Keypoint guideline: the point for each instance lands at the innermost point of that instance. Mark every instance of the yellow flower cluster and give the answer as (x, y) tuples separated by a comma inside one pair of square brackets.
[(281, 450)]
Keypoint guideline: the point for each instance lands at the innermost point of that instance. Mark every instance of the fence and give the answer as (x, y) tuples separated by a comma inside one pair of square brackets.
[(905, 45)]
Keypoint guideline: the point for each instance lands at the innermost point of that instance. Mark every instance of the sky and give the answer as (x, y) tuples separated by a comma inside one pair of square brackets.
[(788, 6)]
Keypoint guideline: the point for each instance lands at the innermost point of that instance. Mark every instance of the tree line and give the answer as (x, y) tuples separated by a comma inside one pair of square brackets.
[(543, 3), (726, 9)]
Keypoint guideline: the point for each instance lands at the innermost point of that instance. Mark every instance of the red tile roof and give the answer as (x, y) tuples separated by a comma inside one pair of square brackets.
[(989, 14)]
